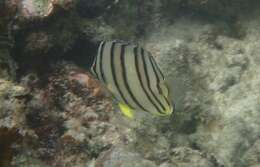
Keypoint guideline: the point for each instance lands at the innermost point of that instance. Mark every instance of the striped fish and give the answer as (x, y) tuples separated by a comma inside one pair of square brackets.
[(133, 77)]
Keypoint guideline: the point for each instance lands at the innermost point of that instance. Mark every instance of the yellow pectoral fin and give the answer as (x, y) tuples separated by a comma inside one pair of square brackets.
[(127, 111)]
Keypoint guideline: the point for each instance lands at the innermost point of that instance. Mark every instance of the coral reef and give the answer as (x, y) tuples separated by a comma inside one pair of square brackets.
[(68, 126), (7, 65), (218, 96), (121, 157), (54, 113), (13, 101)]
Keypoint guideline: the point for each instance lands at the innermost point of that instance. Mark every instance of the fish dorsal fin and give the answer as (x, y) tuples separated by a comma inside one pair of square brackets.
[(126, 110)]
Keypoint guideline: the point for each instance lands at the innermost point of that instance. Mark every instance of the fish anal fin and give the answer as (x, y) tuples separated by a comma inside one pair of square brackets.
[(126, 110)]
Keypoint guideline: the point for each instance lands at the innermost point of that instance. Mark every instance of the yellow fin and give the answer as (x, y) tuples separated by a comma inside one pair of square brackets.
[(127, 111)]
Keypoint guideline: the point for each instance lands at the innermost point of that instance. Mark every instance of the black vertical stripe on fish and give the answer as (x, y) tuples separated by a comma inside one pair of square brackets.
[(93, 68), (157, 78), (94, 65), (101, 62), (156, 66), (122, 59), (167, 101), (156, 74), (114, 72), (148, 81), (140, 79), (97, 62)]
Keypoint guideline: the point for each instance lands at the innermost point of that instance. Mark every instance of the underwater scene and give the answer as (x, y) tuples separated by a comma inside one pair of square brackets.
[(129, 83)]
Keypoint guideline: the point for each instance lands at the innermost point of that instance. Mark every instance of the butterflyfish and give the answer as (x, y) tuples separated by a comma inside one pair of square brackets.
[(133, 77)]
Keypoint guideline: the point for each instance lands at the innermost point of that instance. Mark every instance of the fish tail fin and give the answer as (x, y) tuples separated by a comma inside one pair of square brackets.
[(177, 90), (126, 110)]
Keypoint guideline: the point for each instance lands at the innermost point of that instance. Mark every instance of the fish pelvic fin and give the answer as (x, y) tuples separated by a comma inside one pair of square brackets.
[(126, 110)]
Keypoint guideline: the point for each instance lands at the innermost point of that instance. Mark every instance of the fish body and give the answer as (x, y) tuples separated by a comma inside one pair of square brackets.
[(133, 77)]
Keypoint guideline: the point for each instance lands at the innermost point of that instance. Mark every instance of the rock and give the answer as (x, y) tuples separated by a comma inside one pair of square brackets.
[(229, 8), (8, 138), (30, 9), (12, 107), (12, 104), (38, 43), (65, 124), (251, 156), (166, 164), (219, 90), (185, 157), (120, 157), (7, 65), (90, 9)]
